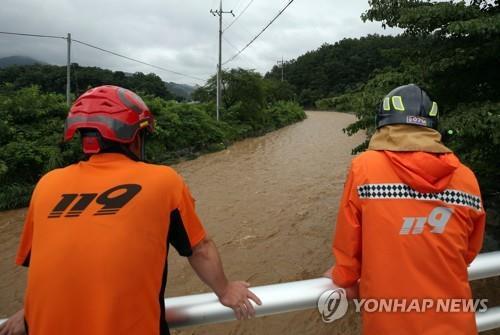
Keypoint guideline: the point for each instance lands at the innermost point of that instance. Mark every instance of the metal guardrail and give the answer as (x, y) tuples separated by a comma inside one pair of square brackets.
[(281, 298), (488, 320), (205, 308)]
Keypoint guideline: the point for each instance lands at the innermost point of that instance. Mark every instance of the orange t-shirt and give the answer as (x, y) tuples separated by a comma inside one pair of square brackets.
[(96, 241), (408, 226)]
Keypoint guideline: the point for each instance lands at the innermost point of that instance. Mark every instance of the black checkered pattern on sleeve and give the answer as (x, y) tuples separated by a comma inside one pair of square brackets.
[(403, 191)]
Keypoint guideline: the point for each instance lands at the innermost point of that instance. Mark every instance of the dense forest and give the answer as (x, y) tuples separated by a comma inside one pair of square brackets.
[(52, 78), (336, 68), (32, 120)]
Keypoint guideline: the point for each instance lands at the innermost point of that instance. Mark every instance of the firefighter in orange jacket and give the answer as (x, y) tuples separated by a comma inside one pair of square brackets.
[(97, 233), (410, 222)]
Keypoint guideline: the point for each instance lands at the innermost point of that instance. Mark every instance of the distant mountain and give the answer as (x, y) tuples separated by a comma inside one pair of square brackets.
[(18, 60), (181, 90), (178, 90)]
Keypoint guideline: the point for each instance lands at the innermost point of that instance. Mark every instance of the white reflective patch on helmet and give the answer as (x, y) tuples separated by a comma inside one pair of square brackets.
[(434, 109), (386, 104), (419, 121), (397, 102)]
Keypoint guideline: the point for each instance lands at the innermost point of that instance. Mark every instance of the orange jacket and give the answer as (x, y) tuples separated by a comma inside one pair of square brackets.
[(408, 226), (96, 241)]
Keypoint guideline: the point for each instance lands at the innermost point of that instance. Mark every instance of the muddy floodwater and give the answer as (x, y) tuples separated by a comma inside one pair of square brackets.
[(268, 202)]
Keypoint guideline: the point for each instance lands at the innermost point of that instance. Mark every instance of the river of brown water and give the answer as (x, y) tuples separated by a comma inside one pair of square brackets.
[(269, 203)]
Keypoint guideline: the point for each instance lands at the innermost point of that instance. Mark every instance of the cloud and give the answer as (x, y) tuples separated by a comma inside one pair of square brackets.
[(175, 34)]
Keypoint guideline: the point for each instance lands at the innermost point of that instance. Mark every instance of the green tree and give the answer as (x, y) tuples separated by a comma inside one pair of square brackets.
[(245, 97), (277, 90)]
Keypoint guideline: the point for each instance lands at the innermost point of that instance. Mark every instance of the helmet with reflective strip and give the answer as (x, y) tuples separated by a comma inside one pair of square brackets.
[(408, 104), (117, 114)]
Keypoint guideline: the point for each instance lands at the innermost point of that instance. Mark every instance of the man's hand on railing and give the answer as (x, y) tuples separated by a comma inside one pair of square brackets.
[(206, 262), (237, 296), (15, 325)]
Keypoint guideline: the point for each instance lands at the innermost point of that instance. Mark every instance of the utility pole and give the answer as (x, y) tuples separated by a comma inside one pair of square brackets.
[(282, 63), (219, 13), (68, 72)]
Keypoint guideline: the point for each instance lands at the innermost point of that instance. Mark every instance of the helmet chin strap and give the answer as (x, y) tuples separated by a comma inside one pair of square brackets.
[(126, 150), (142, 148)]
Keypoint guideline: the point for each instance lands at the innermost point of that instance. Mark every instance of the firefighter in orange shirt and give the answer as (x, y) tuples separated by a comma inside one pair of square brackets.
[(410, 221), (97, 233)]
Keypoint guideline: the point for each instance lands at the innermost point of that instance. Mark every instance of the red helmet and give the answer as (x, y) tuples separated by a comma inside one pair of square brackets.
[(116, 113)]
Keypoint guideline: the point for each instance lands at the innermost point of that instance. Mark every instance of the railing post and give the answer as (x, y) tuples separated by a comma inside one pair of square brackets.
[(68, 72)]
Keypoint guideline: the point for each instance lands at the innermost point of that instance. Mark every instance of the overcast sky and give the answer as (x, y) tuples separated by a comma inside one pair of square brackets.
[(175, 34)]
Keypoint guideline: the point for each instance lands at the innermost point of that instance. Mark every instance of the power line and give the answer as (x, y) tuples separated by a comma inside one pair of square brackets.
[(137, 61), (104, 50), (239, 15), (32, 35), (257, 36), (231, 44)]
